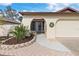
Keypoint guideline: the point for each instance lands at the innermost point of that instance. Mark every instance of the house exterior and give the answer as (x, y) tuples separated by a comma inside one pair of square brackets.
[(63, 23)]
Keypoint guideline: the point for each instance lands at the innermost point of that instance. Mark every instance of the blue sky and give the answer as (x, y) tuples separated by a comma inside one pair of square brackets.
[(39, 7)]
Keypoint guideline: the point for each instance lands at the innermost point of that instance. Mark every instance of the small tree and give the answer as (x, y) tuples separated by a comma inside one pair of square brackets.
[(13, 14)]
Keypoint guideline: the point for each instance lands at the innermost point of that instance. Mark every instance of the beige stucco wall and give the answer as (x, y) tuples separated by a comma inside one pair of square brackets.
[(50, 32), (4, 29)]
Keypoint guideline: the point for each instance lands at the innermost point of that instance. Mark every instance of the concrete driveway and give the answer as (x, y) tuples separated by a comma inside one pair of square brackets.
[(71, 43), (65, 44)]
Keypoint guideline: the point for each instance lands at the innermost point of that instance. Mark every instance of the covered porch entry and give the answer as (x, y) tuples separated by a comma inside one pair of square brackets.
[(38, 25)]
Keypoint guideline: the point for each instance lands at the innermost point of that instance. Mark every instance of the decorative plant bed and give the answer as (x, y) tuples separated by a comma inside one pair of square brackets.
[(13, 44), (13, 40), (20, 36)]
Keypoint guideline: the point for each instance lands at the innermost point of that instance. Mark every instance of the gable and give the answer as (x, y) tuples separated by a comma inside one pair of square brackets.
[(68, 10)]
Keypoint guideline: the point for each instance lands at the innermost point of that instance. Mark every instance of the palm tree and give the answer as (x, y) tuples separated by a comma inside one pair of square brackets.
[(20, 32)]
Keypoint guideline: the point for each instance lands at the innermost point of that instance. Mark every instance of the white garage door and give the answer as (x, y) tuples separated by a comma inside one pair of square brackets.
[(67, 28)]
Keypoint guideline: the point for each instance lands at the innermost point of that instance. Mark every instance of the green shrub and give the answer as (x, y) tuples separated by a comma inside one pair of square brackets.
[(20, 32)]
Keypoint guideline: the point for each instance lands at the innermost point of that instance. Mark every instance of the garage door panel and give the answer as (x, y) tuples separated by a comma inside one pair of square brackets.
[(67, 28)]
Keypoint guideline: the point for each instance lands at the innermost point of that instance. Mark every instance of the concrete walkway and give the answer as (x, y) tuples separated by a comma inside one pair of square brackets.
[(55, 45), (34, 50), (42, 47)]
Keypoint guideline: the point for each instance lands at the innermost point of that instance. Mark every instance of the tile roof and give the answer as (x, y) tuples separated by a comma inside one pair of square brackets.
[(71, 10)]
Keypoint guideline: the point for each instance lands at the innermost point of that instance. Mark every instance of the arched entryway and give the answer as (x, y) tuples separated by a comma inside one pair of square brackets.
[(38, 25)]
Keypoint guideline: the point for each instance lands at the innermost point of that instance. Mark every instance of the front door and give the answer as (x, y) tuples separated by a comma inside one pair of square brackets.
[(38, 26)]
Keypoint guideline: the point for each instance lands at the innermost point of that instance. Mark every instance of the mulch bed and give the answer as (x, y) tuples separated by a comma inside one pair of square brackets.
[(14, 41)]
